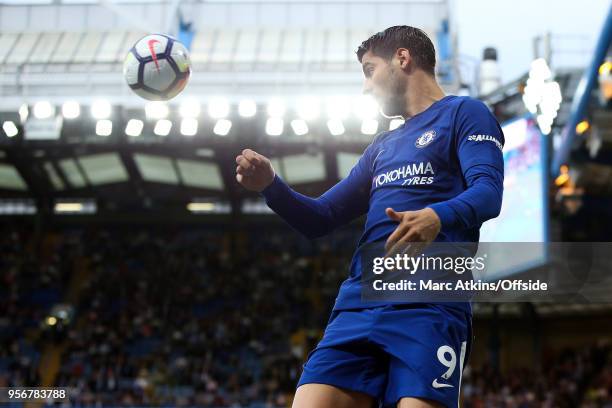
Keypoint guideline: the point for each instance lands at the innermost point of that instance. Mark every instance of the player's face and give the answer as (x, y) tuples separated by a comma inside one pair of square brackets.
[(383, 82)]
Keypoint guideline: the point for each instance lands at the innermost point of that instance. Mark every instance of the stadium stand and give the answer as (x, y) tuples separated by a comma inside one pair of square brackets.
[(193, 316)]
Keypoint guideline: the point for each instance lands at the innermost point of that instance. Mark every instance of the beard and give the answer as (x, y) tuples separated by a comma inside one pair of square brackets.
[(392, 104)]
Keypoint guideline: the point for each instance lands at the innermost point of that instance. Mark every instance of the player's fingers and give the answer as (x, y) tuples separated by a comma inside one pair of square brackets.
[(395, 236), (409, 215), (415, 235), (413, 248), (251, 156), (394, 250), (240, 170), (403, 216), (394, 215), (404, 245), (262, 158), (242, 159), (397, 248), (244, 163), (239, 178), (244, 171)]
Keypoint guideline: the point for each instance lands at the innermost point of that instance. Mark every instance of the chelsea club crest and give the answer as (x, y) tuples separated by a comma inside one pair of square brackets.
[(425, 139)]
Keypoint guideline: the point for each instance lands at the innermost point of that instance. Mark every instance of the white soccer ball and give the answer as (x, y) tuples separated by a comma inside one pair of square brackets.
[(157, 67)]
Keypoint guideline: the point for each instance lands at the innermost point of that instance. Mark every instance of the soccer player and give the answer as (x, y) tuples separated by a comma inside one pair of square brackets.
[(436, 178)]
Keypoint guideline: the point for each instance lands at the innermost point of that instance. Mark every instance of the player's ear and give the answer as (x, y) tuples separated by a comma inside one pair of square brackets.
[(403, 57)]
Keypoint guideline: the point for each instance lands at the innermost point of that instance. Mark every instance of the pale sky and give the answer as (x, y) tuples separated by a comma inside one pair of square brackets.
[(511, 25)]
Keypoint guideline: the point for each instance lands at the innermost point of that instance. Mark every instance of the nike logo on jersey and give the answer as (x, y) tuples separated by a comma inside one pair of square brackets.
[(374, 161), (436, 384)]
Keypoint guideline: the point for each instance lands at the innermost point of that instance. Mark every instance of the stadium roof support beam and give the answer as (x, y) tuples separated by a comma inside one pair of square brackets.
[(135, 179), (582, 95)]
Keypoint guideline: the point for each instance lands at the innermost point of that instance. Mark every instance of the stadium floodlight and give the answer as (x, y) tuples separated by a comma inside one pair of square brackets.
[(162, 127), (71, 110), (539, 70), (218, 108), (101, 109), (197, 206), (189, 126), (10, 128), (43, 110), (552, 95), (247, 108), (84, 206), (308, 107), (190, 108), (530, 103), (24, 111), (338, 107), (582, 127), (104, 127), (336, 127), (222, 127), (156, 110), (542, 95), (68, 207), (276, 108), (365, 107), (274, 126), (545, 122), (134, 127), (549, 108), (369, 126), (299, 127), (395, 123)]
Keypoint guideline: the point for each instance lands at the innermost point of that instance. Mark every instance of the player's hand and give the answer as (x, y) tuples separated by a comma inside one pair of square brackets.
[(415, 231), (254, 171)]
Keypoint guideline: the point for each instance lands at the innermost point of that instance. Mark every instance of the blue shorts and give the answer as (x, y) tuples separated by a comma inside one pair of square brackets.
[(394, 351)]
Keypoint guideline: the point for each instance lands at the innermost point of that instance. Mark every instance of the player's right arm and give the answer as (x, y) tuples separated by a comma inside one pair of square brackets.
[(313, 217)]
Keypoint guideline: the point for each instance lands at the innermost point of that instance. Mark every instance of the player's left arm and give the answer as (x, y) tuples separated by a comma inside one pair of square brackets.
[(479, 143)]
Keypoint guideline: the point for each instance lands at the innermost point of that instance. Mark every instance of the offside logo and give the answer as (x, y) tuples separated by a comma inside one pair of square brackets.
[(425, 139)]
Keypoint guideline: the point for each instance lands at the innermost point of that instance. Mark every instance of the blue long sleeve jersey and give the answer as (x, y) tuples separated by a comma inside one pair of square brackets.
[(448, 158)]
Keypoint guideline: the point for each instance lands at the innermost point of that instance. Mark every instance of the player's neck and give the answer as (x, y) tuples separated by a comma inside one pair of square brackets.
[(422, 92)]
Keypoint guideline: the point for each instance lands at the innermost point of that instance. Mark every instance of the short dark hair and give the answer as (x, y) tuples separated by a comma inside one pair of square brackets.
[(384, 44)]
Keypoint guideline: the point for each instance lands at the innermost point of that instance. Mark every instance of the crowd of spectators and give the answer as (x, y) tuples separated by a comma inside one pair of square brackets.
[(201, 317), (212, 318), (33, 274), (574, 377), (598, 391)]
